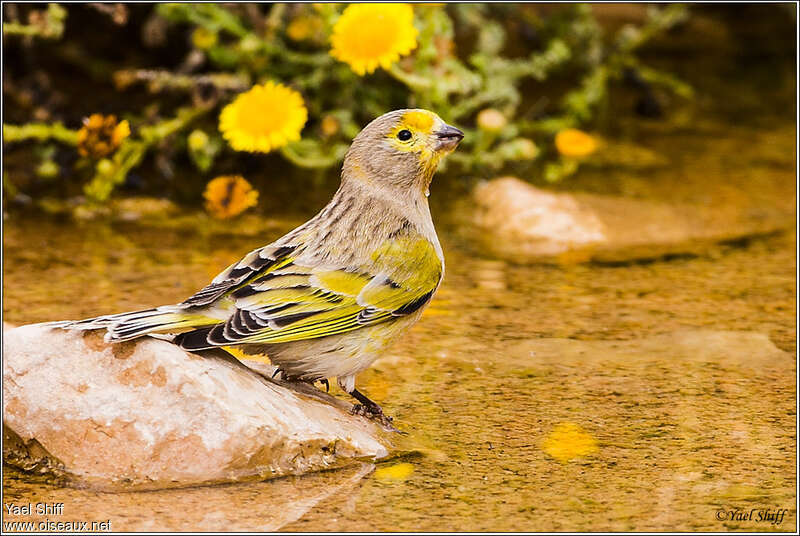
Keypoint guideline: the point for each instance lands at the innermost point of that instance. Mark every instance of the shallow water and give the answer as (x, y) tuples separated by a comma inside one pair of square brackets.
[(652, 395)]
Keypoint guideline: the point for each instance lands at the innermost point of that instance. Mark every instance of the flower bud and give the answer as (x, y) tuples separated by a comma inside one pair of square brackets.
[(492, 120), (47, 170), (104, 167), (197, 140), (203, 38), (304, 27), (329, 126), (249, 43), (522, 149)]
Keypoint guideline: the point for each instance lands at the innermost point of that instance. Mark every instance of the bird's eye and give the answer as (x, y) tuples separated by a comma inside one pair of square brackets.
[(404, 135)]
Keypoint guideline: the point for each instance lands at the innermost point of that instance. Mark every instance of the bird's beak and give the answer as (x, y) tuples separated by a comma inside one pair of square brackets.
[(447, 138)]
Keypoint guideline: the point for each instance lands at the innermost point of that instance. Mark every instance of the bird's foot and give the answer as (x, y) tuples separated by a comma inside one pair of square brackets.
[(288, 378), (369, 409), (374, 413)]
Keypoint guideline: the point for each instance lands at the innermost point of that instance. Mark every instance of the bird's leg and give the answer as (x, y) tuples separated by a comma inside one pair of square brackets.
[(370, 409), (367, 406)]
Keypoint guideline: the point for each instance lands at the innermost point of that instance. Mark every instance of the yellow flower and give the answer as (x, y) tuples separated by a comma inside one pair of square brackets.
[(575, 143), (264, 118), (370, 35), (101, 135), (568, 441), (228, 196)]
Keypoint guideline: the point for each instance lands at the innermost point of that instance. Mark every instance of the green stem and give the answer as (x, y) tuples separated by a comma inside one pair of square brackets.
[(15, 28), (169, 80), (307, 161), (51, 24), (274, 19), (40, 132), (159, 131), (416, 83)]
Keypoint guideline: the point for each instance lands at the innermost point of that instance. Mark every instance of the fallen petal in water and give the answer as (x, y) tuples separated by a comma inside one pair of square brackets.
[(398, 471), (568, 441)]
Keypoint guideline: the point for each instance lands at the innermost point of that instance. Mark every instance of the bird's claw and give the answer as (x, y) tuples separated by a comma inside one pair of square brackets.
[(374, 413)]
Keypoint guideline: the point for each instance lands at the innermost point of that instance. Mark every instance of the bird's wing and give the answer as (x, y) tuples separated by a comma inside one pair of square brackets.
[(292, 302), (257, 263), (202, 309)]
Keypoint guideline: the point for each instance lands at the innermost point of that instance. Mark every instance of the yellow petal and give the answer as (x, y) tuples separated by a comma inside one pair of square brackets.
[(398, 471), (568, 441)]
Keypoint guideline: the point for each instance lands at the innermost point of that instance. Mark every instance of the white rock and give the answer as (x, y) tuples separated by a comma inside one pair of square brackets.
[(531, 222), (145, 414)]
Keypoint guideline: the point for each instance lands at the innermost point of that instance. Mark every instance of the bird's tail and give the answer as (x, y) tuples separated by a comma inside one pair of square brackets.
[(126, 326)]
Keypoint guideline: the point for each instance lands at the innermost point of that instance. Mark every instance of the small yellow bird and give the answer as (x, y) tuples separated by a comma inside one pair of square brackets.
[(327, 298)]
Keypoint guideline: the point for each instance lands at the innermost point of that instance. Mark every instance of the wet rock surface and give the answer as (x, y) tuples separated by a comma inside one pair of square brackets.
[(146, 415), (527, 222), (518, 222)]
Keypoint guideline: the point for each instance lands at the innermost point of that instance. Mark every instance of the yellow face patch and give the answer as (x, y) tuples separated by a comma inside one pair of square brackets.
[(419, 120), (421, 124)]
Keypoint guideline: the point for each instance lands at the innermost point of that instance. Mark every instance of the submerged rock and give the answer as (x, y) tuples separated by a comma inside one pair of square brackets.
[(513, 220), (525, 222), (145, 414)]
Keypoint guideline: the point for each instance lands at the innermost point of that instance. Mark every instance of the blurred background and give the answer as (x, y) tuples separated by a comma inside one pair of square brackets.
[(513, 76), (613, 347)]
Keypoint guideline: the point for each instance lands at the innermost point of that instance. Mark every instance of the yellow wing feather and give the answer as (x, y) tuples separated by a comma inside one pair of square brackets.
[(295, 303)]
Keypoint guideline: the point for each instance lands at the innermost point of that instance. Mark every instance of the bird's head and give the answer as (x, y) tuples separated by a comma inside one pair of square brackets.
[(400, 149)]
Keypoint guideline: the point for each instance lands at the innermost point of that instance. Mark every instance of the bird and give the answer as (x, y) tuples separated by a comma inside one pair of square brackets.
[(326, 299)]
